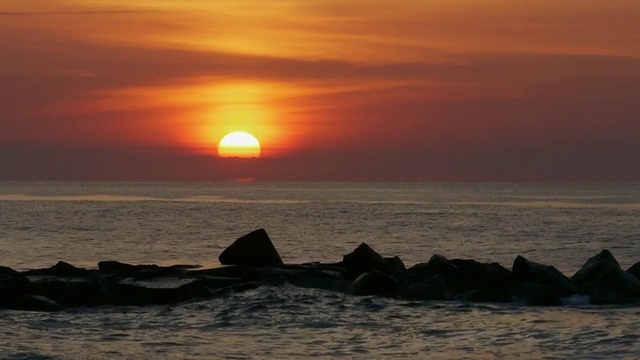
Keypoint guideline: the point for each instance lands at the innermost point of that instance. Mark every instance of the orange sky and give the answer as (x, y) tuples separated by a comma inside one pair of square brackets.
[(412, 90)]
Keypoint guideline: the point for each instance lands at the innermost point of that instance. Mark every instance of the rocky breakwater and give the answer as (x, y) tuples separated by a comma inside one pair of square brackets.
[(253, 261)]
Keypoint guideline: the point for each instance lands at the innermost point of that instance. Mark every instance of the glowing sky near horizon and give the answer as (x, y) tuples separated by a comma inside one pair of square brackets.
[(409, 90)]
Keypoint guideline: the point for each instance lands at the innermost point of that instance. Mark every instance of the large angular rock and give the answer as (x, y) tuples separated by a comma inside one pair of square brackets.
[(595, 267), (253, 249), (362, 260), (529, 271), (374, 283)]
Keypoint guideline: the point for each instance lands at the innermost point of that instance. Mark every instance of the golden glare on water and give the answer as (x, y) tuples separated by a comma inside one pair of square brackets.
[(239, 144)]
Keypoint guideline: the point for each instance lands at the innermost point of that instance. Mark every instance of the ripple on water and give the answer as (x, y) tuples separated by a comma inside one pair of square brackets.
[(291, 323)]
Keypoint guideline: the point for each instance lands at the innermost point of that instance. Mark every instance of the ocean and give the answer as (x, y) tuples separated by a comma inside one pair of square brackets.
[(191, 223)]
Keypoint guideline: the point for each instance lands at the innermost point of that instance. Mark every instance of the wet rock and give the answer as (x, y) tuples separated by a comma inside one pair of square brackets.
[(433, 288), (595, 267), (536, 294), (362, 260), (374, 283), (253, 249), (61, 269), (529, 271)]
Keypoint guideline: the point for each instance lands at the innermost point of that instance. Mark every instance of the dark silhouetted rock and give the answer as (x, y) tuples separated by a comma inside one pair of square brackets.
[(490, 291), (362, 260), (437, 265), (462, 276), (374, 283), (635, 270), (118, 269), (536, 294), (28, 302), (14, 282), (253, 249), (329, 283), (482, 282), (474, 275), (595, 267), (529, 271), (61, 269), (625, 283), (433, 288), (132, 295), (72, 293), (614, 286), (396, 266)]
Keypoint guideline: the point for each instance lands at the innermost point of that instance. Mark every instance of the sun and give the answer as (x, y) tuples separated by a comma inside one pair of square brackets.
[(239, 144)]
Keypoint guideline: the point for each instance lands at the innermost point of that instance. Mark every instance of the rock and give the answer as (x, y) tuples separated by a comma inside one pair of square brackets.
[(121, 270), (61, 269), (72, 293), (462, 276), (622, 281), (374, 283), (536, 294), (362, 260), (635, 270), (473, 275), (396, 266), (595, 267), (489, 291), (329, 283), (529, 271), (39, 303), (132, 295), (433, 288), (482, 282), (253, 249), (614, 286), (14, 282), (437, 264)]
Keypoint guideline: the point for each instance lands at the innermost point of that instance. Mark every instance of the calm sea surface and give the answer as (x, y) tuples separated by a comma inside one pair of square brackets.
[(171, 223)]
